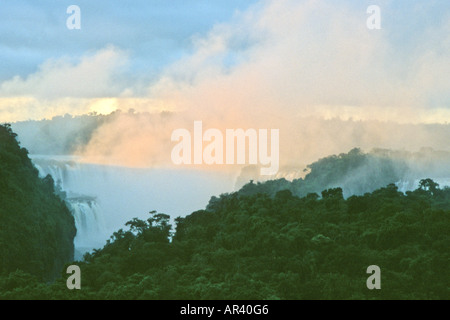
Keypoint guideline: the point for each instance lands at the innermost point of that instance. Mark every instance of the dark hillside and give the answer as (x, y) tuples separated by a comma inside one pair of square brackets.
[(36, 228)]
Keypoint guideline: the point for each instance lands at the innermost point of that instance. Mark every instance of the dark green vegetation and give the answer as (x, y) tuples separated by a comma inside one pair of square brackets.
[(36, 228), (357, 172), (274, 240), (258, 247), (281, 247)]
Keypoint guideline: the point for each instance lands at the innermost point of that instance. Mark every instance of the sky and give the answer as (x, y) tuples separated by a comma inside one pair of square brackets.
[(229, 63), (133, 43), (154, 32)]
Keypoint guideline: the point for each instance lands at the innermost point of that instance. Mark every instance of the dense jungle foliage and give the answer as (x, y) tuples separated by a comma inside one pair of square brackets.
[(257, 243), (285, 247), (36, 228)]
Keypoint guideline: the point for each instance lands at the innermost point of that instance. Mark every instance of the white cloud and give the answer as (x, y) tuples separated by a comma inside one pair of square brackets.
[(283, 64), (298, 64), (302, 56), (92, 76)]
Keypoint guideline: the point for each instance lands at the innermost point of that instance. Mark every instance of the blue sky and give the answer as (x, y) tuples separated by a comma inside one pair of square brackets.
[(166, 51), (287, 64), (156, 32)]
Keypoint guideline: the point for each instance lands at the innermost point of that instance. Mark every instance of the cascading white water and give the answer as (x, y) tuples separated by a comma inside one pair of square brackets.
[(103, 198), (89, 221), (88, 215)]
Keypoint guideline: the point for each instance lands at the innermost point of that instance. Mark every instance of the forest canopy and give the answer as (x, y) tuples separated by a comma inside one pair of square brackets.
[(266, 241), (36, 228), (281, 247)]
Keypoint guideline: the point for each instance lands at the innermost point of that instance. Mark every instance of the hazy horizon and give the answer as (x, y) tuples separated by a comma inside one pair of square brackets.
[(331, 85)]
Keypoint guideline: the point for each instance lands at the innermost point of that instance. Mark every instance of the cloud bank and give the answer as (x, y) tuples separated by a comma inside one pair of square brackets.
[(309, 68)]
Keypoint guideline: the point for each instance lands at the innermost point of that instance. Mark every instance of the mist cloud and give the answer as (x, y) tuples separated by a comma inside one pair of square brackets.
[(310, 58), (64, 85), (297, 66), (311, 69)]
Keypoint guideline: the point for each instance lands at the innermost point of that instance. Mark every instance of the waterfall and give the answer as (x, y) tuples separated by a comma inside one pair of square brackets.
[(88, 220), (88, 214), (103, 198)]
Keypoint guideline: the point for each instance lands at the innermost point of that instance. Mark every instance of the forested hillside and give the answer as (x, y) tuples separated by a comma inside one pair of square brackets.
[(273, 240), (36, 228), (357, 172), (281, 247)]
